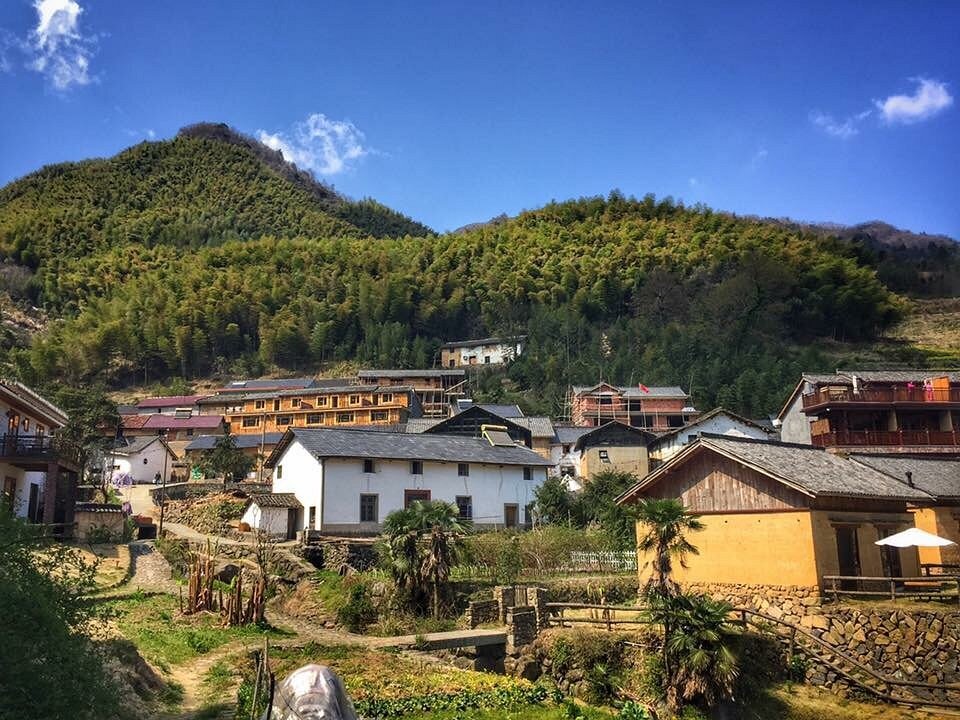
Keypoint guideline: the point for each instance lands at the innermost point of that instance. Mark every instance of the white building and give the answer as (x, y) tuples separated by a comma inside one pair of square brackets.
[(275, 514), (142, 459), (715, 422), (37, 479), (486, 351), (348, 480)]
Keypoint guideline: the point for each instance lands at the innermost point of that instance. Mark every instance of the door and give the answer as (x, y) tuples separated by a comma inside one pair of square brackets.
[(9, 493), (510, 513), (889, 556), (848, 554), (33, 506), (411, 496), (291, 523)]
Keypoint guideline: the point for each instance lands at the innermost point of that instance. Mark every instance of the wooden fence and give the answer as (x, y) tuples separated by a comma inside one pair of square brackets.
[(927, 586)]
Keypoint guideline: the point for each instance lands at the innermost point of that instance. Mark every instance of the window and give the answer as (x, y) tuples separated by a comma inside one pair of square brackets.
[(276, 405), (251, 422), (465, 507), (41, 430), (189, 432), (314, 418), (145, 461), (335, 401), (452, 363), (279, 471), (321, 400), (378, 416), (295, 402), (486, 359), (368, 509), (368, 466), (259, 404), (412, 496), (284, 420), (386, 398), (313, 518), (463, 470), (692, 438), (606, 400), (354, 399), (344, 417), (604, 456), (416, 467), (26, 424), (527, 473)]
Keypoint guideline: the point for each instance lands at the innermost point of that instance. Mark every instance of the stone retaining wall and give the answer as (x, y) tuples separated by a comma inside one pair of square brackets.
[(481, 612)]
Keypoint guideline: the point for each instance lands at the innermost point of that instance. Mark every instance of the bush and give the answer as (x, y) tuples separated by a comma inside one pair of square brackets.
[(358, 613)]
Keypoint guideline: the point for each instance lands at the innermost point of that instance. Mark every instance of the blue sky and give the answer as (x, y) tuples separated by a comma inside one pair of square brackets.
[(454, 112)]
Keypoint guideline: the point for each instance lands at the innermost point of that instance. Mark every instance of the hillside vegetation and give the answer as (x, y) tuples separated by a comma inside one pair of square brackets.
[(207, 254)]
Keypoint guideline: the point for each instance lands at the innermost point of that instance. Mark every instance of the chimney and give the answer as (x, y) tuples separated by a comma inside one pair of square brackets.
[(910, 478)]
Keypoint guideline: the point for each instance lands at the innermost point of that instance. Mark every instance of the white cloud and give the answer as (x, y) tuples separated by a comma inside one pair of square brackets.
[(929, 98), (56, 46), (756, 160), (151, 133), (320, 144), (843, 129), (693, 182)]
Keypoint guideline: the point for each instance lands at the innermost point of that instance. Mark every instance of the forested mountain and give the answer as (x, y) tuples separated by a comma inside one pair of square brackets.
[(204, 255)]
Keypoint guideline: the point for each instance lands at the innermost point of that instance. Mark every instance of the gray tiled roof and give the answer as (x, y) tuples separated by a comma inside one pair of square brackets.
[(569, 434), (845, 377), (353, 443), (250, 440), (938, 476), (270, 383), (634, 391), (411, 373), (419, 425), (504, 411), (709, 416), (819, 472), (134, 445), (539, 427), (485, 341), (276, 500)]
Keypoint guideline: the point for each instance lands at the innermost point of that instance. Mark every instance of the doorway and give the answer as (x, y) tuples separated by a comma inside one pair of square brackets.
[(889, 556), (848, 554), (291, 523), (33, 507), (510, 513)]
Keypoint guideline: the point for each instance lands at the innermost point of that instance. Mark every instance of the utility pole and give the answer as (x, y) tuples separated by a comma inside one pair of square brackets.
[(163, 480)]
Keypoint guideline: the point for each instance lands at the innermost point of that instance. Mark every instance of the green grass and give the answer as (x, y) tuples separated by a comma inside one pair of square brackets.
[(533, 712), (167, 638), (218, 680)]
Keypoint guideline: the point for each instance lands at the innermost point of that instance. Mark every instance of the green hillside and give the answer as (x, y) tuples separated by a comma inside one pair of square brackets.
[(208, 255)]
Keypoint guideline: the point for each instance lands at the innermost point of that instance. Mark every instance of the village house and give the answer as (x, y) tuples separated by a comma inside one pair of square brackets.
[(615, 447), (266, 385), (940, 478), (876, 411), (38, 474), (349, 480), (486, 351), (716, 422), (564, 458), (274, 514), (256, 447), (169, 404), (177, 430), (139, 459), (780, 514), (435, 389), (657, 409), (326, 405)]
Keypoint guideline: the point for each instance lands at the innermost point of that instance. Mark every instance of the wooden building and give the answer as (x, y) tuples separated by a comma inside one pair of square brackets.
[(876, 411), (435, 389), (780, 514), (657, 409), (320, 406)]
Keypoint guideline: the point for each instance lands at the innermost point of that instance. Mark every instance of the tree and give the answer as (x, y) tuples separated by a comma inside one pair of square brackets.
[(666, 523), (226, 460), (424, 542), (89, 413), (50, 666), (554, 502)]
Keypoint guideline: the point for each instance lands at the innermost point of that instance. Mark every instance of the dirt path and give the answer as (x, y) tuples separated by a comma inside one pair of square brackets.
[(196, 698), (151, 571)]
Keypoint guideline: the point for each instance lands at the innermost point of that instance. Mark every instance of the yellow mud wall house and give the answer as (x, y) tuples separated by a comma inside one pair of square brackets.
[(778, 514), (614, 446), (936, 476)]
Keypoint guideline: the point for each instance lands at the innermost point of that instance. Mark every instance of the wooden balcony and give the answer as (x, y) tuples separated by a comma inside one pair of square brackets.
[(35, 452), (917, 396), (887, 438)]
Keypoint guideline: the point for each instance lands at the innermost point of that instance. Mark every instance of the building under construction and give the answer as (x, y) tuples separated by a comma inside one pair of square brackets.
[(656, 409)]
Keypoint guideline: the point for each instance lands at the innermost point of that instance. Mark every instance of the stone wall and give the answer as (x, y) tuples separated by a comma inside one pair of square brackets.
[(784, 602), (334, 555), (481, 612), (522, 627)]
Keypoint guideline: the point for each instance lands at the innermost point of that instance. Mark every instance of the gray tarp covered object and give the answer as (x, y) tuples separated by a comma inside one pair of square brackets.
[(313, 692)]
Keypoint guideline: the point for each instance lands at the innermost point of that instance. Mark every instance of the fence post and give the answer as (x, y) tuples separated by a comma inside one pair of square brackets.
[(836, 595), (793, 640), (893, 590), (606, 613), (743, 619)]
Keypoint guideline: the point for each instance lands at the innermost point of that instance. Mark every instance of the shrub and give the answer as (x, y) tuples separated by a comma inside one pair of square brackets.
[(358, 612)]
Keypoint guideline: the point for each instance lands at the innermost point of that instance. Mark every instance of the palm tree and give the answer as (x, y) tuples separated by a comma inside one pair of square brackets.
[(698, 663), (425, 541), (666, 523)]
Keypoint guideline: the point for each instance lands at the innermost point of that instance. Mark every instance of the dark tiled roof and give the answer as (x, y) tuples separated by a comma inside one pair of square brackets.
[(484, 341), (810, 470), (355, 443), (170, 401), (250, 440), (197, 422), (633, 391), (938, 476), (814, 469), (410, 373), (268, 384), (419, 425), (569, 434), (845, 377), (505, 411), (33, 400), (274, 500), (132, 446), (539, 427)]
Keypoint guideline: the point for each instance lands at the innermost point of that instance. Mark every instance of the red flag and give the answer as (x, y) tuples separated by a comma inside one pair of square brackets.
[(644, 388)]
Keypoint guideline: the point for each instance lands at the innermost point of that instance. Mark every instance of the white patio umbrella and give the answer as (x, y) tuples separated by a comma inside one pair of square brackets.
[(914, 537)]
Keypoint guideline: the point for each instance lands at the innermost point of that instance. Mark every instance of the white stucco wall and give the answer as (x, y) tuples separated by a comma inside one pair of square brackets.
[(718, 425), (134, 465), (272, 521), (795, 427), (335, 486), (303, 475)]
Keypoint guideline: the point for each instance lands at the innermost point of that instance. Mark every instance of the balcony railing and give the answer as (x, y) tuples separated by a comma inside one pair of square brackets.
[(918, 395), (37, 447), (889, 438)]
